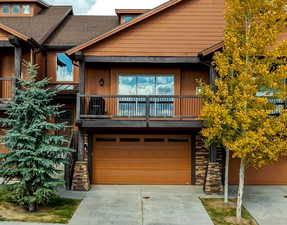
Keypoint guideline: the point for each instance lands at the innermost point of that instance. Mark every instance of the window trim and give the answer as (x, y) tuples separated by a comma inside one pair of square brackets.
[(56, 72), (146, 75)]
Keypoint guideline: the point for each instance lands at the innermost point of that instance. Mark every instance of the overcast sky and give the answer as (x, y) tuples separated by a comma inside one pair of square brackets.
[(106, 7)]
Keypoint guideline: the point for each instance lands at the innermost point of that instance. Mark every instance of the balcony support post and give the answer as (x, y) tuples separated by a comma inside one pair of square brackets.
[(81, 146), (18, 61), (212, 76)]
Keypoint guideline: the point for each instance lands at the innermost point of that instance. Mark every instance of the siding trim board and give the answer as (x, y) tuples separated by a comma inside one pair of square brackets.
[(142, 59)]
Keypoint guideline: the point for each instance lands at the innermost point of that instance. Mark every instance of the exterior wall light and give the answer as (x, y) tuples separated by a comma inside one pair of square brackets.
[(102, 82)]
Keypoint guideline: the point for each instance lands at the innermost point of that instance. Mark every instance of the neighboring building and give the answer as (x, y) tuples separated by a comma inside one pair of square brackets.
[(129, 85)]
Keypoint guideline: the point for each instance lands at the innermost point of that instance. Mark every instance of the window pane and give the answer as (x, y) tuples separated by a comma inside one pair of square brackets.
[(127, 85), (64, 68), (146, 85), (16, 9), (128, 18), (5, 9), (26, 9), (164, 85)]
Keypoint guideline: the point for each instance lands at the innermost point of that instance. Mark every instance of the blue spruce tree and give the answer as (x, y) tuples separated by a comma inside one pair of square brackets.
[(35, 151)]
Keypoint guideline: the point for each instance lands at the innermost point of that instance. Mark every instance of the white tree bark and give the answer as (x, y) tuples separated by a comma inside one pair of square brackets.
[(226, 179), (240, 191)]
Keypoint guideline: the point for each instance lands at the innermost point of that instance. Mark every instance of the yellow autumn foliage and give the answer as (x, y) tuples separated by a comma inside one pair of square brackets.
[(252, 72)]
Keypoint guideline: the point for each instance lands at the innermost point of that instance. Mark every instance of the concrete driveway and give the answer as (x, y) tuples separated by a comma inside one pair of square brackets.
[(142, 205), (267, 204)]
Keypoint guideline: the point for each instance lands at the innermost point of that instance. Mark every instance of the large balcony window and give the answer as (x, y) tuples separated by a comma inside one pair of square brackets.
[(159, 88), (64, 68)]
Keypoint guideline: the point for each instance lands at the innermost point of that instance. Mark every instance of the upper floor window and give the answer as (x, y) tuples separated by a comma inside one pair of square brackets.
[(16, 9), (64, 68), (5, 9), (128, 18), (26, 9)]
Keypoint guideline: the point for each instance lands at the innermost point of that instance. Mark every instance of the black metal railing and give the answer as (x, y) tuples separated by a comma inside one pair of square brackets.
[(133, 106), (7, 89), (278, 106)]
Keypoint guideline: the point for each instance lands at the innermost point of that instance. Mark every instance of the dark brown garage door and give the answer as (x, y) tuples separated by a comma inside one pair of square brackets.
[(275, 174), (140, 159)]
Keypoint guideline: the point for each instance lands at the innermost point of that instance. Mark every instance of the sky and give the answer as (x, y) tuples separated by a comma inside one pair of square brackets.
[(106, 7)]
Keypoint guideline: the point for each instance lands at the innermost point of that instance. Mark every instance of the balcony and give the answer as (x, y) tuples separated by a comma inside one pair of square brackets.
[(6, 90), (138, 111)]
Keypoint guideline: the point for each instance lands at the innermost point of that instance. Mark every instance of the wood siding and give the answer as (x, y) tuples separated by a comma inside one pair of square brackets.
[(141, 162), (52, 69), (269, 175), (183, 30), (3, 35)]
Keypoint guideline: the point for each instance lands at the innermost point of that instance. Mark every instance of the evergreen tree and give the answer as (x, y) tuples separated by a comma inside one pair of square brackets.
[(35, 152)]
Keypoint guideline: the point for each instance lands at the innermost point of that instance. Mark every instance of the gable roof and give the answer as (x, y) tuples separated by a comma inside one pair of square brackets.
[(125, 25), (38, 27), (76, 30)]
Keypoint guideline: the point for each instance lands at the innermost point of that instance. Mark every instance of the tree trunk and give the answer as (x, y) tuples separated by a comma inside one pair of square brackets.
[(32, 207), (226, 180), (240, 191)]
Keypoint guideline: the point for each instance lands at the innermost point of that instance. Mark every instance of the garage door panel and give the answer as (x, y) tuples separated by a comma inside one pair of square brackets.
[(140, 162), (142, 177), (133, 164)]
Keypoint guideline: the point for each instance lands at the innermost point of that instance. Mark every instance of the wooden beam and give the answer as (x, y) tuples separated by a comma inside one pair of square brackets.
[(5, 44), (18, 61), (212, 76), (81, 146), (106, 123), (141, 59), (212, 153), (193, 158), (82, 77)]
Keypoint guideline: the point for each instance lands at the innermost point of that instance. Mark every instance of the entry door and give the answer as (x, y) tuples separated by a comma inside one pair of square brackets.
[(141, 159)]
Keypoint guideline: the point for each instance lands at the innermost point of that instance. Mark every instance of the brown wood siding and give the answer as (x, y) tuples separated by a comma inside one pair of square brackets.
[(52, 68), (3, 35), (274, 174), (182, 30), (6, 71), (141, 162)]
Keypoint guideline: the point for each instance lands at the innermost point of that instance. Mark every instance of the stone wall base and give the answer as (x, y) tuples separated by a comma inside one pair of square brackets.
[(81, 180), (213, 180)]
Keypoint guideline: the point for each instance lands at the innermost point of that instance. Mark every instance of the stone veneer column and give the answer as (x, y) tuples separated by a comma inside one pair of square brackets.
[(213, 181), (81, 180), (208, 173), (201, 160)]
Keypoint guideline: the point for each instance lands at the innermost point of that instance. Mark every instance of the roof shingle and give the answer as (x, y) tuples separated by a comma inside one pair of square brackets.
[(38, 27), (76, 30)]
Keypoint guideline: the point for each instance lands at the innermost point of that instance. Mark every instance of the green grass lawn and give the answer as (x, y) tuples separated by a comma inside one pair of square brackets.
[(222, 214), (59, 210)]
